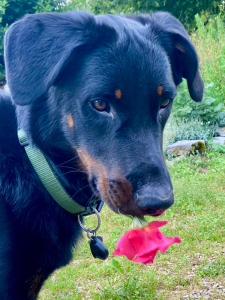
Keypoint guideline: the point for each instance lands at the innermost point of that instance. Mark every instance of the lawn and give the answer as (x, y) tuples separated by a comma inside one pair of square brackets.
[(194, 269)]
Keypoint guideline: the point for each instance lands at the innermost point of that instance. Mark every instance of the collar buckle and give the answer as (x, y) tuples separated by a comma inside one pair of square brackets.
[(94, 206)]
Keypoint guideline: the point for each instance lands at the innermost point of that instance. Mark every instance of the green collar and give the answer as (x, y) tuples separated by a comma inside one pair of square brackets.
[(48, 178)]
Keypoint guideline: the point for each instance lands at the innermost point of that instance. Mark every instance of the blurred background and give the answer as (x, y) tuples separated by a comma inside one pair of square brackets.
[(205, 21)]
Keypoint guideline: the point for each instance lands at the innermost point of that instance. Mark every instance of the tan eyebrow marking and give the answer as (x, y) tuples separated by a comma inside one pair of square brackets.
[(160, 90), (118, 94), (70, 121)]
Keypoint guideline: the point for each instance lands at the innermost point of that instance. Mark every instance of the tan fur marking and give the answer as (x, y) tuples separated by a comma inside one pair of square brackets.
[(92, 166), (160, 90), (118, 194), (70, 121), (95, 168), (118, 94)]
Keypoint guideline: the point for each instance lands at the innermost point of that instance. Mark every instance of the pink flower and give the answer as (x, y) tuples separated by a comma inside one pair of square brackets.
[(142, 245)]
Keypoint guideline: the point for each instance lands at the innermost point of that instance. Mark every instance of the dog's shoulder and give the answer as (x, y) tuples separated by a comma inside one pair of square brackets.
[(8, 124)]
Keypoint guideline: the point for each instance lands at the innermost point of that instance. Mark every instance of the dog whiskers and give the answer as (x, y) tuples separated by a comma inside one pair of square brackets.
[(74, 172), (66, 161), (69, 167), (81, 189)]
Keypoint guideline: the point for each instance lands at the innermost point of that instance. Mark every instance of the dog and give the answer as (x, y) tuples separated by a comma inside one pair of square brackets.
[(93, 94)]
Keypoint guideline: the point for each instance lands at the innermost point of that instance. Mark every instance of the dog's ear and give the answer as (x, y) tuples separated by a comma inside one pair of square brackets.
[(184, 60), (38, 47)]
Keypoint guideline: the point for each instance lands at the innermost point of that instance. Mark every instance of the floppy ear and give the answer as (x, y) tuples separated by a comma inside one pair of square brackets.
[(182, 54), (37, 48)]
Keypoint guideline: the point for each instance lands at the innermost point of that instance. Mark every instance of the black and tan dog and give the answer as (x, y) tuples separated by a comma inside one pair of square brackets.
[(93, 93)]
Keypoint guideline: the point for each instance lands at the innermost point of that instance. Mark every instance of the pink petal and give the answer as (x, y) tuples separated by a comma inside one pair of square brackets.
[(167, 243), (156, 224), (142, 245), (130, 243), (147, 258)]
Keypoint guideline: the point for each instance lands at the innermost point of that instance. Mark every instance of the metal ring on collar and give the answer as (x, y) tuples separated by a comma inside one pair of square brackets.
[(89, 230)]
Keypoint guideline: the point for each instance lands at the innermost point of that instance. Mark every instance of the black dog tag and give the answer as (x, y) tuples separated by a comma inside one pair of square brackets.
[(98, 249)]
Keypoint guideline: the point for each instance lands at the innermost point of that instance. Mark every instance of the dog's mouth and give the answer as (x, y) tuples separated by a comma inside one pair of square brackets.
[(121, 200), (137, 212), (156, 213)]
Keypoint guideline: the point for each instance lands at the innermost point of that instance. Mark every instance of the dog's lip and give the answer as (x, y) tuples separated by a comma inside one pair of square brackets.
[(152, 213), (157, 213), (139, 213)]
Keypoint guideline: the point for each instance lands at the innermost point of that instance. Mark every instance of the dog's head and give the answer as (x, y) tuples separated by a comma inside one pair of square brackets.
[(105, 84)]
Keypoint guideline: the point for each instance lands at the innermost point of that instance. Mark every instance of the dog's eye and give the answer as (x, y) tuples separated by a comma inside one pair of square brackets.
[(164, 103), (100, 105)]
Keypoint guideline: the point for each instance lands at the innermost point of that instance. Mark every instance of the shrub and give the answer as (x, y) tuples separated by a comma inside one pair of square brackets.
[(210, 111), (192, 129)]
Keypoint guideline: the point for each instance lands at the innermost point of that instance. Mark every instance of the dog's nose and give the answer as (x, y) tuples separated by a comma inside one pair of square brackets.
[(153, 199)]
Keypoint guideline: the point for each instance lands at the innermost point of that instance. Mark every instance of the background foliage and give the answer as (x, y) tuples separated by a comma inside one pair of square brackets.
[(12, 10), (184, 10)]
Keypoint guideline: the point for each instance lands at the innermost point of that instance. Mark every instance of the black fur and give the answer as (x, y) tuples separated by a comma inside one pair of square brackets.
[(57, 64)]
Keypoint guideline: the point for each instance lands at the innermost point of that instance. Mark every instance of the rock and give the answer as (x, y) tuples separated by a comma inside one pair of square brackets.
[(219, 140), (220, 131), (186, 147)]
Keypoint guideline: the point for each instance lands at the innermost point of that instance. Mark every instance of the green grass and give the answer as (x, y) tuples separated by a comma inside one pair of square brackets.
[(198, 264)]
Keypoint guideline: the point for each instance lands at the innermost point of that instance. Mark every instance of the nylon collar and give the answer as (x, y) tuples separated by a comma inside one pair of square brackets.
[(51, 182)]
